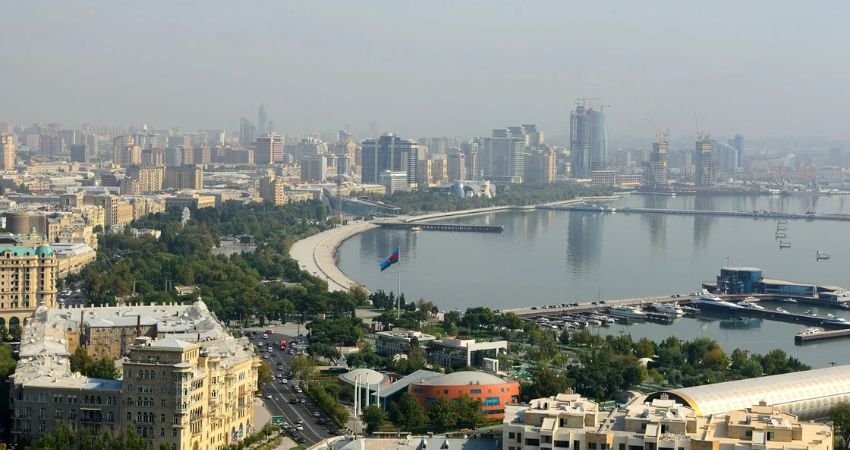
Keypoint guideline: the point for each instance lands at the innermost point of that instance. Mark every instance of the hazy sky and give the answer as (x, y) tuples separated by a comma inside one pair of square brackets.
[(430, 68)]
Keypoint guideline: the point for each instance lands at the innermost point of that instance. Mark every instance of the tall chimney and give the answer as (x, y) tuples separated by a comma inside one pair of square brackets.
[(138, 325)]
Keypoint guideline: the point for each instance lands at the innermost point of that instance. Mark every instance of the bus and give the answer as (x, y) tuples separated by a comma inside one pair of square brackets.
[(283, 345)]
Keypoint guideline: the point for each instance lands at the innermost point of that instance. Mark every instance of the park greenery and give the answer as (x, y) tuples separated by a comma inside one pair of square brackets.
[(63, 438), (409, 415)]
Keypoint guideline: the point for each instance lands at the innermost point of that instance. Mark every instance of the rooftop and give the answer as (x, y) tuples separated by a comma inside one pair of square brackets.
[(463, 378)]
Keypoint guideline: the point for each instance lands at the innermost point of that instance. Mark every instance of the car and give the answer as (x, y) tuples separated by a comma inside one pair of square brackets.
[(284, 380), (268, 396), (321, 421), (300, 439), (265, 336), (303, 402), (317, 414), (299, 427), (300, 421), (294, 400)]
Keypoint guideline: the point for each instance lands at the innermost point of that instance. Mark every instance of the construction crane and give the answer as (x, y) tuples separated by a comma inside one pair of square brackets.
[(587, 102), (660, 135)]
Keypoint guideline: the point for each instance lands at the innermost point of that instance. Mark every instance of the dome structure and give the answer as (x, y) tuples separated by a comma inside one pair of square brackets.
[(367, 376)]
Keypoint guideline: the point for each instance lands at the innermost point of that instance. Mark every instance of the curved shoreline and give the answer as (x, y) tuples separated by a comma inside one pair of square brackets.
[(317, 254)]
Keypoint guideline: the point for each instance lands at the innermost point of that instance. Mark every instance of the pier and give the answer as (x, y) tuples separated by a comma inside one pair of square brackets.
[(428, 226), (820, 335)]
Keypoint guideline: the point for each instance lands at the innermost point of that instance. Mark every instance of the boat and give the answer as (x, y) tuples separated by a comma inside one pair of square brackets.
[(416, 229), (594, 322), (783, 244), (836, 321), (670, 309), (811, 313), (821, 255), (705, 300), (809, 331), (750, 305), (788, 300), (627, 312), (782, 310)]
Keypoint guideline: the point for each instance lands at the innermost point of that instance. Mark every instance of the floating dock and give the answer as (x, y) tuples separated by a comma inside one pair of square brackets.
[(820, 335), (428, 226)]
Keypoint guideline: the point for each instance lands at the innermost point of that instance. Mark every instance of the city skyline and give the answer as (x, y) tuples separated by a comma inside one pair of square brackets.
[(665, 63)]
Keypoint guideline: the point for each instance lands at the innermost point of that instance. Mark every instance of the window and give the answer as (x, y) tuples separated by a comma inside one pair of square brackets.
[(591, 445), (162, 432), (475, 391), (162, 418), (532, 442), (491, 401), (173, 434), (511, 435), (562, 444), (57, 414)]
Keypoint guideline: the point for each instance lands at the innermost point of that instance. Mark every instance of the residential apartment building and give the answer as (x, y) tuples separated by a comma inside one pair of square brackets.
[(268, 149), (7, 151), (184, 177), (186, 384), (125, 152), (569, 421), (27, 279), (272, 190), (143, 179), (116, 212)]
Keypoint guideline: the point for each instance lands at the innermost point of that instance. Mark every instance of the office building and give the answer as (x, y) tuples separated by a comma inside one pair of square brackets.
[(588, 141), (28, 276), (470, 159), (398, 340), (125, 152), (184, 177), (737, 143), (570, 421), (704, 170), (268, 149), (7, 151), (143, 179), (458, 353), (502, 156), (247, 132), (424, 173), (394, 181), (456, 166), (186, 383), (540, 167), (439, 169), (603, 177), (79, 153), (389, 152), (314, 168)]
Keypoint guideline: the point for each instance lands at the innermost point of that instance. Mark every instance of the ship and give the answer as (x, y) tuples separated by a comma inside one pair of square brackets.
[(836, 321), (627, 312), (670, 309), (750, 305), (705, 300), (416, 229)]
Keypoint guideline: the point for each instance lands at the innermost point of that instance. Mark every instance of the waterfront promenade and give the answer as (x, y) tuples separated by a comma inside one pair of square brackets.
[(317, 254)]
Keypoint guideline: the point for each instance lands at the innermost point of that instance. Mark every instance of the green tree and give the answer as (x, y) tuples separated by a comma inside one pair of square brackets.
[(840, 417), (443, 415), (408, 414), (264, 374), (469, 413), (374, 418), (103, 368), (303, 367)]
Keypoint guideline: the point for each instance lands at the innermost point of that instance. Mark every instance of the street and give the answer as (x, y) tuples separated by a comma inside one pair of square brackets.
[(281, 394)]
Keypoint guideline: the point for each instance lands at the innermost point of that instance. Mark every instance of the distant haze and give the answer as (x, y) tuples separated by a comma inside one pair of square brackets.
[(431, 68)]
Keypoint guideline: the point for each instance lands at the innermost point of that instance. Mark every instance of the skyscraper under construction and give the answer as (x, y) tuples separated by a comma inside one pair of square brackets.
[(704, 170)]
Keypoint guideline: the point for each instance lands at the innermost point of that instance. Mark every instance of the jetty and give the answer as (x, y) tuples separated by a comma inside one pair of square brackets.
[(430, 226), (820, 335), (697, 212)]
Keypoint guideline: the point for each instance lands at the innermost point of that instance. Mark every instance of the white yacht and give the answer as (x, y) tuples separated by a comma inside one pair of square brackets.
[(704, 299), (789, 300), (670, 309), (809, 331), (750, 305), (627, 312), (836, 321)]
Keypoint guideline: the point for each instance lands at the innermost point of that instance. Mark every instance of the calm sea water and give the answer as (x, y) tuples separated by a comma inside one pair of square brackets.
[(548, 257)]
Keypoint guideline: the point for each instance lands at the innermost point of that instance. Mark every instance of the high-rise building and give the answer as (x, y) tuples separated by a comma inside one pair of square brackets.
[(79, 153), (28, 276), (143, 179), (704, 170), (456, 166), (153, 157), (737, 143), (184, 177), (389, 152), (7, 151), (262, 120), (394, 181), (314, 168), (502, 156), (470, 156), (439, 169), (588, 141), (125, 152), (658, 168), (247, 132), (203, 155), (268, 149), (176, 156), (541, 167)]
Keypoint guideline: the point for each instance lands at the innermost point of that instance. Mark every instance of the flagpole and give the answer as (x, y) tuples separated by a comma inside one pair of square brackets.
[(398, 293)]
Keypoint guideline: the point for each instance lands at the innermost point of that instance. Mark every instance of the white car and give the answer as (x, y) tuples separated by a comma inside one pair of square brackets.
[(284, 380), (268, 396), (299, 427)]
